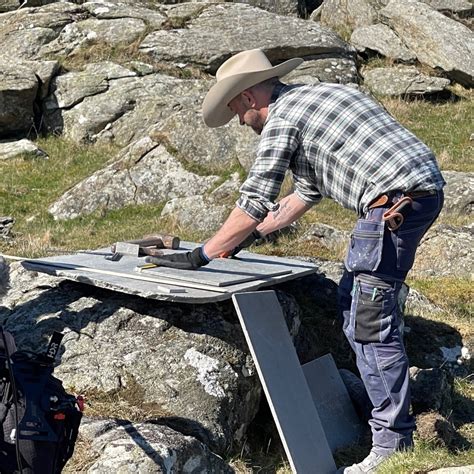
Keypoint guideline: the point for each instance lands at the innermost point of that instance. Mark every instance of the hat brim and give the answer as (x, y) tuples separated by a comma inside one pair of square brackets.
[(215, 108)]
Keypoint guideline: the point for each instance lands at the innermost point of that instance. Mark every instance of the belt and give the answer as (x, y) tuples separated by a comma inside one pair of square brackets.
[(388, 198)]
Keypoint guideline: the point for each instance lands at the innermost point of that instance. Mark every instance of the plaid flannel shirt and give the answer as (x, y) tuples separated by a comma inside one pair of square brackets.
[(338, 143)]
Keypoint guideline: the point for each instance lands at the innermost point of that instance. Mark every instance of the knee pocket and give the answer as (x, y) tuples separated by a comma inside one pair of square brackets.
[(374, 311)]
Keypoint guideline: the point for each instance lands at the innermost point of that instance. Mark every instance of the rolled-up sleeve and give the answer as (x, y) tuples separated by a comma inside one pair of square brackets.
[(278, 142), (306, 190)]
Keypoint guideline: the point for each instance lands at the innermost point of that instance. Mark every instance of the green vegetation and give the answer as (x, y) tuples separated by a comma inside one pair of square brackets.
[(124, 54), (29, 186), (445, 126)]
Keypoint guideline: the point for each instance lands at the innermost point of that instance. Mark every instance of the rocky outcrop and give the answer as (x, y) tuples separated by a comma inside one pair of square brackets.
[(210, 38), (18, 90), (454, 470), (8, 5), (334, 69), (187, 366), (462, 7), (382, 40), (431, 389), (346, 15), (22, 85), (458, 193), (327, 236), (93, 104), (196, 212), (145, 172), (446, 251), (402, 82), (6, 224), (122, 446), (436, 40), (12, 149)]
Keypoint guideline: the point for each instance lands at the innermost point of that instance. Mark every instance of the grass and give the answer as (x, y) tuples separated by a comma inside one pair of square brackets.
[(454, 295), (124, 54), (445, 126), (425, 457), (29, 186)]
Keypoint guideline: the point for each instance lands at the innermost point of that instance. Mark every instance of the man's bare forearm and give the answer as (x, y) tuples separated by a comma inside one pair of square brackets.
[(234, 230), (291, 208), (239, 225)]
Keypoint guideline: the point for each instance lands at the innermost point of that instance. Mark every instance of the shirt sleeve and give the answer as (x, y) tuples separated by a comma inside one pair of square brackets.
[(306, 190), (278, 142)]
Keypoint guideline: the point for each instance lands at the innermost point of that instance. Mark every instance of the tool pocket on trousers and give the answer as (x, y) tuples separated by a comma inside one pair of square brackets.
[(365, 246), (373, 309)]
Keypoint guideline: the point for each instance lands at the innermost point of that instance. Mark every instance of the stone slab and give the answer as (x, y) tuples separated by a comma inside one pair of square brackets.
[(162, 288), (338, 417), (224, 272), (284, 383)]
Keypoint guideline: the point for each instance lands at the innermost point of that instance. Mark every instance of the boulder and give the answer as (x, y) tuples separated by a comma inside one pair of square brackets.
[(461, 7), (27, 30), (108, 102), (125, 447), (342, 70), (24, 147), (144, 173), (381, 39), (187, 366), (430, 390), (327, 236), (446, 251), (72, 88), (18, 90), (8, 5), (454, 470), (344, 16), (402, 81), (80, 34), (214, 34), (212, 149), (280, 7), (45, 71), (199, 213), (6, 224), (458, 193), (436, 40), (228, 190), (132, 10)]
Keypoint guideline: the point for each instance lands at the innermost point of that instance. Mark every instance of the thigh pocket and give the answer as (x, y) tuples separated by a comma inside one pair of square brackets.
[(365, 246), (374, 309)]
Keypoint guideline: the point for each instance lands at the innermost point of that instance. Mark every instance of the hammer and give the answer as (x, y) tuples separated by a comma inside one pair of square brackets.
[(146, 246)]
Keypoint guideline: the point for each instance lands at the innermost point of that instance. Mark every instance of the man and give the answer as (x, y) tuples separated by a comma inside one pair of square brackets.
[(341, 144)]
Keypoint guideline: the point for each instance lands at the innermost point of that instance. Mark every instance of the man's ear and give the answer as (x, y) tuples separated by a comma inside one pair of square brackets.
[(248, 99)]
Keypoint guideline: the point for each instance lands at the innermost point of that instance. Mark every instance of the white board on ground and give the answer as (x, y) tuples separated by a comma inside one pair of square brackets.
[(336, 412), (284, 383)]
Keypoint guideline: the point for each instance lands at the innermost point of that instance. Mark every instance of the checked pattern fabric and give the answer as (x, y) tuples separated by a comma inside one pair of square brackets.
[(339, 143)]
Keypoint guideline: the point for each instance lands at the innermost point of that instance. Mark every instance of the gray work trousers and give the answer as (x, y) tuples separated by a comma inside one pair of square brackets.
[(377, 263)]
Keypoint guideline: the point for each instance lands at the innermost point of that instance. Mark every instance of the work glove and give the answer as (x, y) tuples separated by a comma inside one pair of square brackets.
[(247, 242), (184, 260)]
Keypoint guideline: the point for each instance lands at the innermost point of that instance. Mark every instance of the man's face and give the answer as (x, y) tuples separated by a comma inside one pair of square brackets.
[(243, 106)]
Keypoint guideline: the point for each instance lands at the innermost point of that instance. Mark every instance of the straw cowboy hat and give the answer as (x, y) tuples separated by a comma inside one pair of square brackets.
[(238, 73)]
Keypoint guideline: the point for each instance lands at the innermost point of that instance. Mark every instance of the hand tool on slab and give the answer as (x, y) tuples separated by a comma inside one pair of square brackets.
[(148, 245)]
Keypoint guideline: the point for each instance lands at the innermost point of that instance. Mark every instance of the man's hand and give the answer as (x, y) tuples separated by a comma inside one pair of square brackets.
[(184, 261)]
